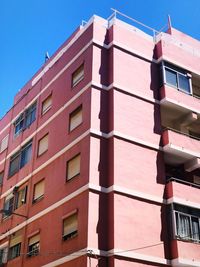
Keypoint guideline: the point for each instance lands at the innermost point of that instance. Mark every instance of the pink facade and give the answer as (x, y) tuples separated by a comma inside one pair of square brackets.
[(99, 155)]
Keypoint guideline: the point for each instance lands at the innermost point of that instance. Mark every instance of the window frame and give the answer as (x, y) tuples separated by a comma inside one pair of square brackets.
[(22, 158), (10, 202), (4, 143), (16, 247), (178, 72), (35, 200), (31, 251), (20, 195), (72, 234), (74, 83), (38, 148), (44, 111), (74, 113), (176, 223), (3, 255), (23, 119), (67, 167)]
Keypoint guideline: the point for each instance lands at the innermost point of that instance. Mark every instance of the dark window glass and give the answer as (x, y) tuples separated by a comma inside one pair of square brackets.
[(25, 119), (184, 83), (30, 115), (187, 223), (1, 177), (33, 249), (20, 159), (14, 251), (19, 124), (25, 155), (14, 164), (171, 77)]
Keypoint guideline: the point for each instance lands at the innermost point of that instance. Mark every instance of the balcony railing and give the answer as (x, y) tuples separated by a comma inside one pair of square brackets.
[(173, 179), (179, 132)]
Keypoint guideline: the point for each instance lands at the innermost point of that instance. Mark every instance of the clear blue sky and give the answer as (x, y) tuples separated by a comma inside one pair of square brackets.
[(29, 28)]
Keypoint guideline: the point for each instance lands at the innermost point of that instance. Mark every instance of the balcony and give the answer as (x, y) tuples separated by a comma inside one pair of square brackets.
[(181, 148), (171, 97), (184, 190)]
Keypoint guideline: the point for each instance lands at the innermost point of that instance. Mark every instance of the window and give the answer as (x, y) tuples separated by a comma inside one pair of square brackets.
[(1, 177), (3, 255), (38, 191), (19, 159), (43, 144), (46, 104), (187, 223), (15, 245), (20, 197), (73, 167), (30, 115), (177, 78), (8, 205), (25, 119), (75, 118), (33, 246), (4, 143), (70, 226), (78, 75)]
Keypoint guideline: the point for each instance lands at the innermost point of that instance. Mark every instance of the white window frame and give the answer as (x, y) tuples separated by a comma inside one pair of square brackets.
[(175, 70), (176, 235)]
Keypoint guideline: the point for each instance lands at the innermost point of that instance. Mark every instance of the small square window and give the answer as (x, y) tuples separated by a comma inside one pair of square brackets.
[(75, 118), (33, 245), (38, 191), (43, 145), (73, 167), (70, 226), (46, 104), (78, 75)]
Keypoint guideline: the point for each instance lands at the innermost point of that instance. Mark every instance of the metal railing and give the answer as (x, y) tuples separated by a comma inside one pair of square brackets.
[(152, 30)]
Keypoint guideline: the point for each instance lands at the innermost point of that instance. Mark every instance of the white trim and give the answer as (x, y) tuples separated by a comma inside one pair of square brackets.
[(129, 192), (67, 258), (179, 262), (127, 137), (170, 146), (138, 256), (177, 63), (110, 253), (166, 99), (4, 245), (184, 202)]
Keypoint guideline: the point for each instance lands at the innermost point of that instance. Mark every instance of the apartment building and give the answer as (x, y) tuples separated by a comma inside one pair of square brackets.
[(99, 155)]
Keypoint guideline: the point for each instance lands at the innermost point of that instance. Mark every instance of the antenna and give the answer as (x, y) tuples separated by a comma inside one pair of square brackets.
[(47, 57), (169, 22)]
